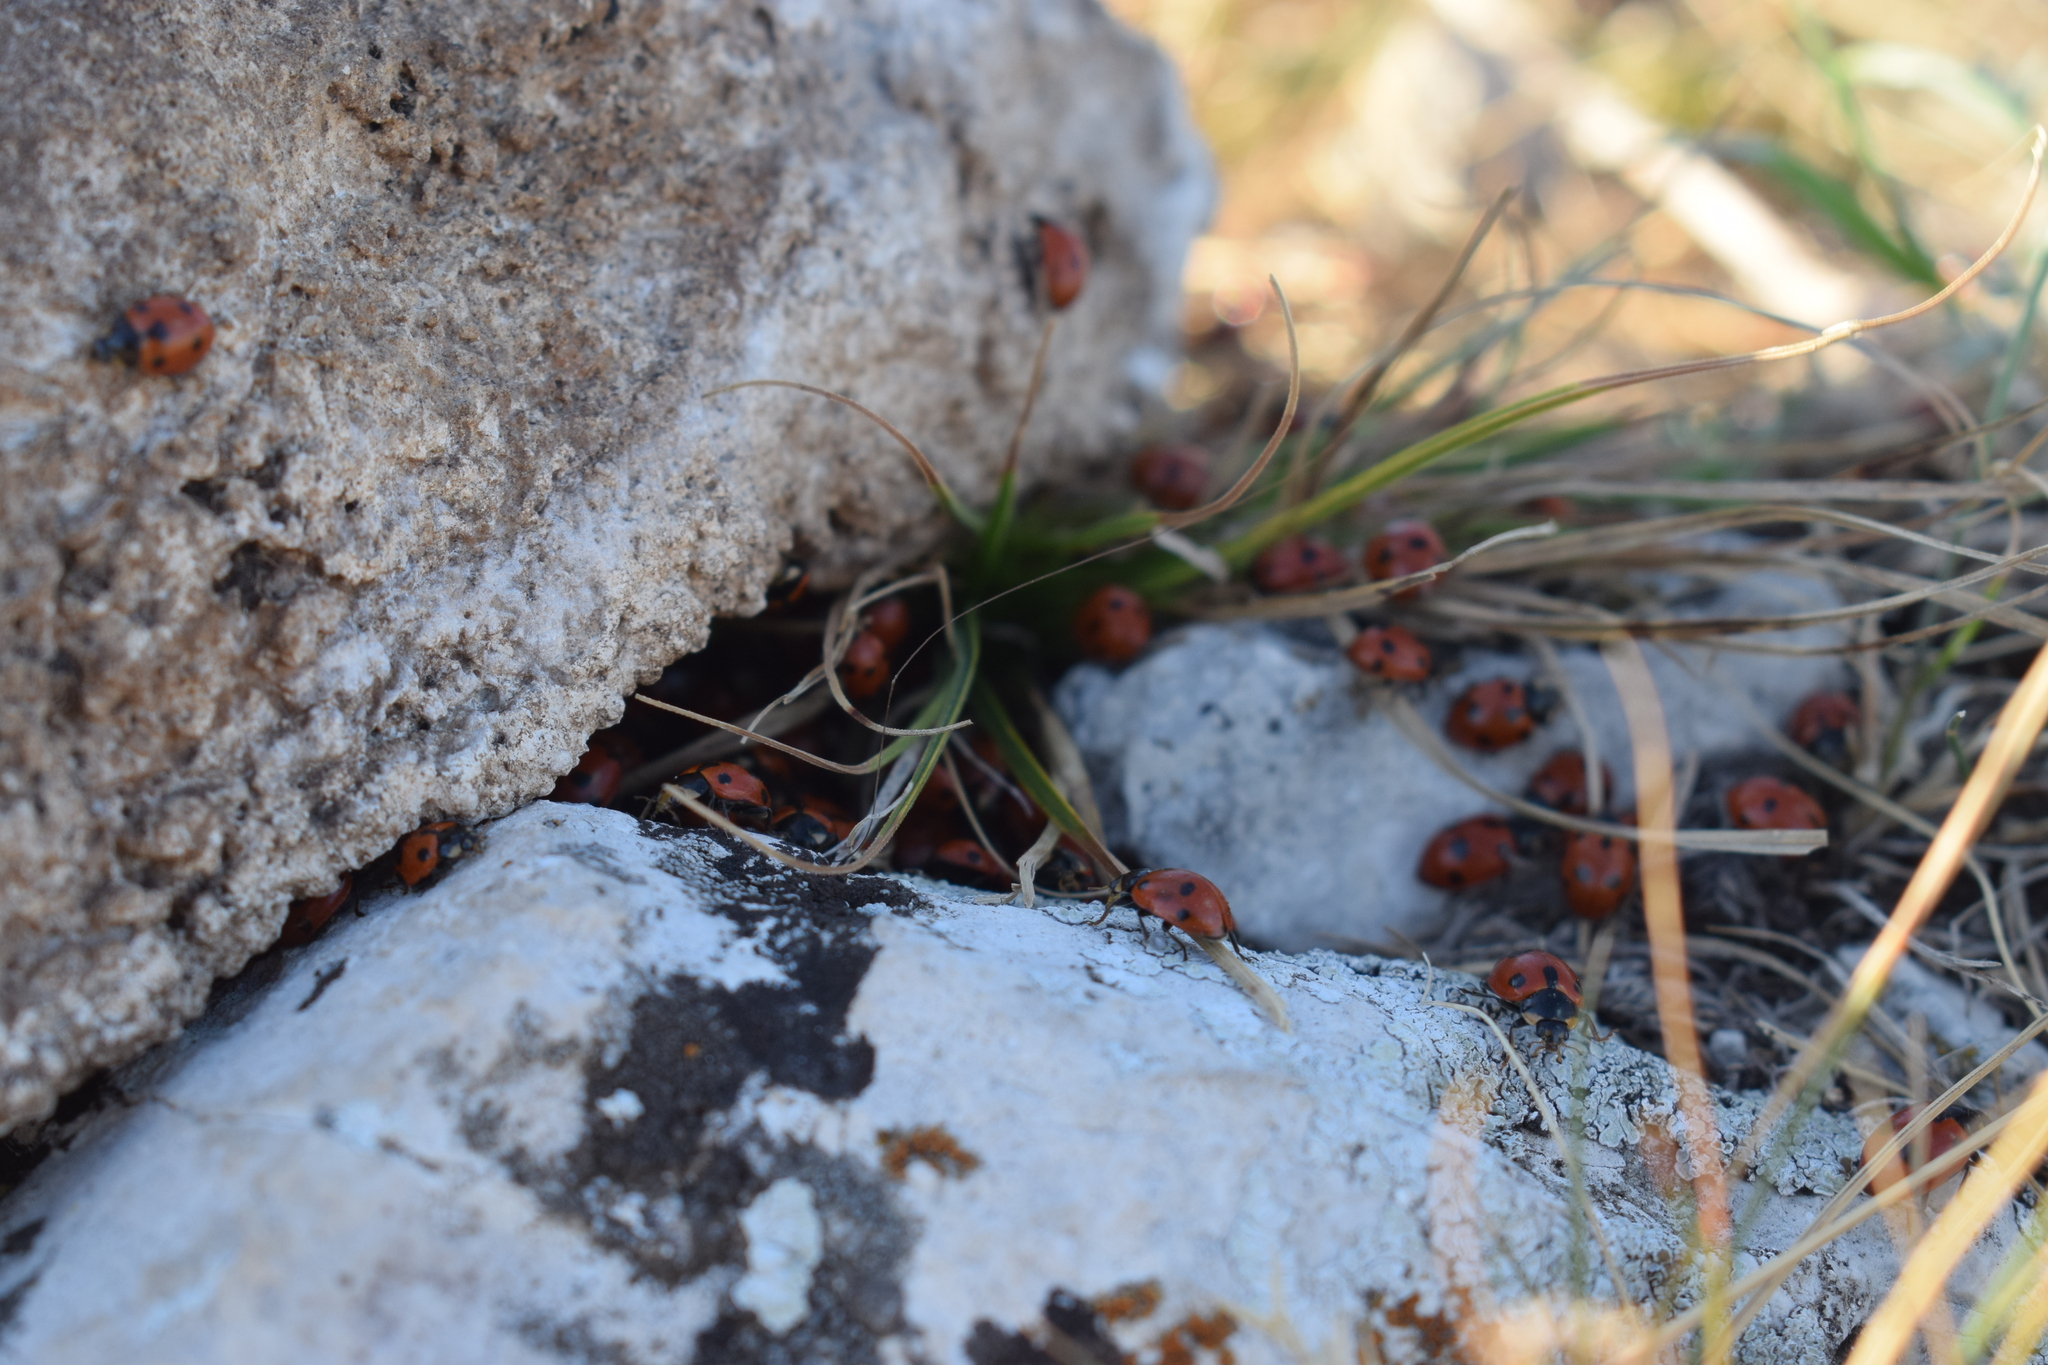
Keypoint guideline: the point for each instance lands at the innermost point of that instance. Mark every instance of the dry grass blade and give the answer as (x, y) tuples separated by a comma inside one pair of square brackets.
[(2010, 1160), (768, 741), (1778, 843), (761, 846), (1235, 494), (1779, 1267), (1664, 923), (1250, 982), (1354, 395), (924, 466), (707, 747), (2025, 1328), (2012, 740), (1030, 395), (1304, 606)]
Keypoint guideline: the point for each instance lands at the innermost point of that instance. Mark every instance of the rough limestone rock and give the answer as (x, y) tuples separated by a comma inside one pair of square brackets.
[(619, 1092), (448, 484), (1256, 757)]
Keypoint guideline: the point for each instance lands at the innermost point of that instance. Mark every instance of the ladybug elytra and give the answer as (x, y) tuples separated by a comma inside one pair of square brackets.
[(722, 785), (1297, 564), (965, 856), (1497, 714), (1598, 871), (593, 781), (162, 335), (1822, 723), (864, 668), (888, 621), (1561, 782), (1769, 803), (1063, 257), (1543, 989), (1404, 547), (1390, 653), (1467, 853), (1940, 1136), (1113, 625), (1186, 900), (307, 917), (1171, 476), (426, 848)]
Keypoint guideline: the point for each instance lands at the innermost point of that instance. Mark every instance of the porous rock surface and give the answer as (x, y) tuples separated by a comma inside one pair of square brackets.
[(1258, 757), (618, 1092), (448, 484)]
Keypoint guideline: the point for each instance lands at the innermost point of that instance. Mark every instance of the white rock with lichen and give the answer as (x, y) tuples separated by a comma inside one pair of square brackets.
[(867, 1120)]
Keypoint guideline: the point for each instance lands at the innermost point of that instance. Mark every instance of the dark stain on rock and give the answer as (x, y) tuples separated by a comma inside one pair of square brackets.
[(666, 1187), (18, 1242), (1073, 1331)]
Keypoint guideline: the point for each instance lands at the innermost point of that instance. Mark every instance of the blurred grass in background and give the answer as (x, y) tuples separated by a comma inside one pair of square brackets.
[(1815, 160)]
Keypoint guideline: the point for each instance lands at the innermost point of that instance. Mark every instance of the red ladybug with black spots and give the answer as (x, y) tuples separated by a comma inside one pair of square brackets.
[(1171, 476), (163, 335), (1467, 853), (1561, 782), (1404, 547), (1769, 803), (1543, 990), (1186, 900), (1598, 871), (1497, 714), (1297, 564), (1390, 654), (1823, 723), (421, 853), (864, 668), (1113, 625), (723, 786)]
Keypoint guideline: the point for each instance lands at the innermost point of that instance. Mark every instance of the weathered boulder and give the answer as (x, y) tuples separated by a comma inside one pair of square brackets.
[(448, 484), (620, 1092)]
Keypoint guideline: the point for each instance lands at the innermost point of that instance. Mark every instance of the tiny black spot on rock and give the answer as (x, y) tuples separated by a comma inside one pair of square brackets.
[(21, 1239)]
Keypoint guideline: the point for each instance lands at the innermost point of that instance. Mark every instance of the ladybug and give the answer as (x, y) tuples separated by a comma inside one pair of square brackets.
[(1941, 1136), (812, 823), (967, 861), (309, 916), (787, 587), (1822, 723), (1551, 507), (1767, 803), (1390, 653), (1297, 564), (1068, 870), (1186, 900), (1467, 853), (1171, 476), (1598, 871), (888, 621), (1404, 547), (1561, 782), (1497, 714), (593, 781), (426, 848), (160, 335), (864, 668), (1113, 625), (722, 785), (1543, 989), (1063, 257)]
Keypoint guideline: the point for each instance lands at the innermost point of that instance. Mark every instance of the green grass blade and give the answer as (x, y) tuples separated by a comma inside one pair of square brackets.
[(1835, 200), (994, 719)]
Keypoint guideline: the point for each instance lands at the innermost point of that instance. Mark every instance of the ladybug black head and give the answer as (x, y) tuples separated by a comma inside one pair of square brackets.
[(1553, 1033), (1540, 701), (1549, 1006)]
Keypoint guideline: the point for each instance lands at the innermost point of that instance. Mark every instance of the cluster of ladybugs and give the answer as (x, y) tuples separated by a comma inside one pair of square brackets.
[(1598, 871)]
